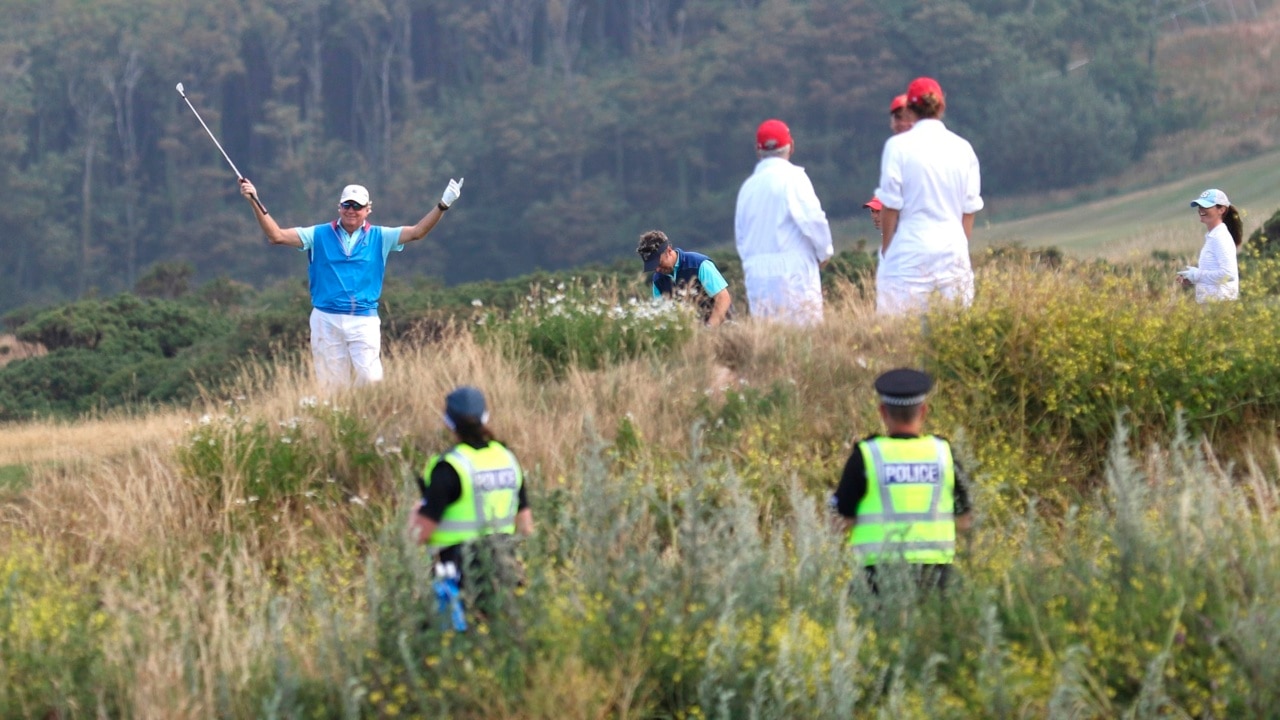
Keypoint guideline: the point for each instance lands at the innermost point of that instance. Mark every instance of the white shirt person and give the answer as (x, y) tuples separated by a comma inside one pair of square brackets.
[(782, 233), (931, 187), (1217, 275)]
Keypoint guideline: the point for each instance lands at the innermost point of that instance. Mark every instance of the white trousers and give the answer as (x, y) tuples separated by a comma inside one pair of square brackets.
[(898, 295), (345, 344), (783, 287)]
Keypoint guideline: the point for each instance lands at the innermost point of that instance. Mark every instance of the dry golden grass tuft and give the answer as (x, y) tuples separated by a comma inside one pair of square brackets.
[(58, 442), (11, 348)]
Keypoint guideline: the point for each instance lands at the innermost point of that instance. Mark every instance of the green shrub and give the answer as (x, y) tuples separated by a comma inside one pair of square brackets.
[(1044, 363), (324, 457), (51, 634), (576, 325)]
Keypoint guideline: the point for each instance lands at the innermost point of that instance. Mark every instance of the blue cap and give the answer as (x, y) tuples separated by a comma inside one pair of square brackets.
[(465, 403), (903, 387), (655, 257)]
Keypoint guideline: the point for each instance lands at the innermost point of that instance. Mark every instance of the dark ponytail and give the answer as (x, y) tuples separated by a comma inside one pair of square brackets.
[(472, 432), (1235, 225)]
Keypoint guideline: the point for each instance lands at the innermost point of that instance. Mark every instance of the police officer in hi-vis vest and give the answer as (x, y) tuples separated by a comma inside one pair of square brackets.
[(902, 495), (473, 502)]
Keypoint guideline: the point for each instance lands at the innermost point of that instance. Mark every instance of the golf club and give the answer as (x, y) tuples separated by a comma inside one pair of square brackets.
[(256, 201)]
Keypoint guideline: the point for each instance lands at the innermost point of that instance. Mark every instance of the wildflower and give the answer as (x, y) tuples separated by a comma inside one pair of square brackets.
[(476, 302)]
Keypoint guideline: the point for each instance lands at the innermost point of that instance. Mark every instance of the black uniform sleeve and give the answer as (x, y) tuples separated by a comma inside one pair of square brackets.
[(853, 485), (445, 488)]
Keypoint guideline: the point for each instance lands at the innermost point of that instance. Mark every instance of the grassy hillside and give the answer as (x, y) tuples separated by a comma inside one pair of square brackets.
[(245, 556), (248, 558), (1132, 225)]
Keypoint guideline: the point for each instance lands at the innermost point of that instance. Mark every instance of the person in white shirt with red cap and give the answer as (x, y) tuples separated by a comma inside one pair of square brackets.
[(931, 188), (900, 120), (782, 233), (1218, 276), (347, 260), (875, 206)]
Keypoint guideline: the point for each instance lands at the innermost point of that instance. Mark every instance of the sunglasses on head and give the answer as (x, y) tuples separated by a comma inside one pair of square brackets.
[(352, 205)]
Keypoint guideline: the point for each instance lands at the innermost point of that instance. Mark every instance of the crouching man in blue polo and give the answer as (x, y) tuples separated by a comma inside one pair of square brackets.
[(682, 274), (902, 495), (347, 259)]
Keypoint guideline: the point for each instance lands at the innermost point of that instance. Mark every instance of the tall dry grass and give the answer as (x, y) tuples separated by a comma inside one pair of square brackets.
[(689, 572)]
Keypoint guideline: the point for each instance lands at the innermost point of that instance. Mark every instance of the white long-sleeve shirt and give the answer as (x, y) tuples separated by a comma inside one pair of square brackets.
[(1219, 277), (931, 176), (782, 235)]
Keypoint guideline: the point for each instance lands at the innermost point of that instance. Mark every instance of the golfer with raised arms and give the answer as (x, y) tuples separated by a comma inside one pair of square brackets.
[(347, 260), (930, 186)]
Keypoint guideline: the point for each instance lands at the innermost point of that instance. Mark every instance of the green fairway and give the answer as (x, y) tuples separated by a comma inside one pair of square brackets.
[(13, 478), (1134, 224)]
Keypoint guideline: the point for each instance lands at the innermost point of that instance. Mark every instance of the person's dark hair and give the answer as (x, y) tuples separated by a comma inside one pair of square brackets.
[(928, 107), (472, 432), (650, 242), (902, 413), (1235, 224)]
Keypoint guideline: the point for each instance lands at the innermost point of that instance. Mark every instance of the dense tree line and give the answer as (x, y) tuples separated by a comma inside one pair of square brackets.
[(577, 123)]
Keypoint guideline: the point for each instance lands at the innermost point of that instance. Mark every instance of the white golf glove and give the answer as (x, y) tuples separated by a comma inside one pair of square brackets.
[(1191, 274), (452, 192)]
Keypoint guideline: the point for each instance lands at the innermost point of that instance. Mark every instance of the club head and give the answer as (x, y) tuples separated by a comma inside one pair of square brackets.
[(180, 92)]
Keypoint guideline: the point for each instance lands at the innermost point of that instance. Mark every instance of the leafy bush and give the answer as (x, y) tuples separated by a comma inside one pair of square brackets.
[(1045, 362), (51, 662), (324, 457), (576, 325), (122, 324)]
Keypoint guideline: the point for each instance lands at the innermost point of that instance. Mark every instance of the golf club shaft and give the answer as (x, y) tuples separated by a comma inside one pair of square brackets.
[(256, 201)]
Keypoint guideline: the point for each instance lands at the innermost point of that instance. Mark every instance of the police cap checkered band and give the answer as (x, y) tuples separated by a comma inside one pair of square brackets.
[(903, 386)]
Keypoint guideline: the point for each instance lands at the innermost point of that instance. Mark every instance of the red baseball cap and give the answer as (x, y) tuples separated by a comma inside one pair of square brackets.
[(772, 134), (874, 203), (898, 103), (922, 86)]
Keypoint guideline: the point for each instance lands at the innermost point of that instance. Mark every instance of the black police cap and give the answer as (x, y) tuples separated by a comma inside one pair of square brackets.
[(903, 386)]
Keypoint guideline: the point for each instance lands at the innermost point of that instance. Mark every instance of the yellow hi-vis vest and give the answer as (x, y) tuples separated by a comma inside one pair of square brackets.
[(908, 513), (490, 498)]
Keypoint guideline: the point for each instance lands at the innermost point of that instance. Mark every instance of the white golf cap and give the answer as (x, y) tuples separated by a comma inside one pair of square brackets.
[(358, 193), (1211, 197)]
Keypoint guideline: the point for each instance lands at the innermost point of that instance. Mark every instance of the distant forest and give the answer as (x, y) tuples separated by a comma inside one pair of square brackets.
[(576, 123)]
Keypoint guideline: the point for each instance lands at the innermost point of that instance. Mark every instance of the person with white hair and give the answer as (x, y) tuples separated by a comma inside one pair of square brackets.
[(347, 259), (782, 233)]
